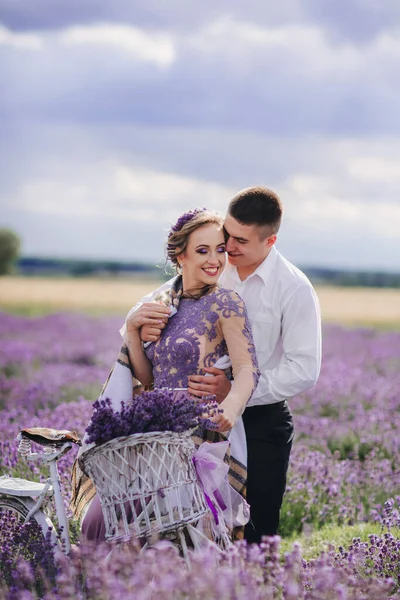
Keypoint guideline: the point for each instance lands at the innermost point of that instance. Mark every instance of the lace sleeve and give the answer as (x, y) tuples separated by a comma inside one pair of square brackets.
[(236, 330)]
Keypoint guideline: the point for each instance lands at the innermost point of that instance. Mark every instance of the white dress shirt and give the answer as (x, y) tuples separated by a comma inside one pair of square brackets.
[(284, 313)]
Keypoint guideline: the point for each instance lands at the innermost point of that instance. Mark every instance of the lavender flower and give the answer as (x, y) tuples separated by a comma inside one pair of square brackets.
[(257, 571), (344, 468), (185, 218), (159, 410), (26, 557)]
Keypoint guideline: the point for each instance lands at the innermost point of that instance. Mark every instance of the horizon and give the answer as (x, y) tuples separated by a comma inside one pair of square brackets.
[(156, 264)]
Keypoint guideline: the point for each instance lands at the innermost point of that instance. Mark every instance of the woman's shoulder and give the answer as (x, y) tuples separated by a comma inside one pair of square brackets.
[(224, 292), (227, 298)]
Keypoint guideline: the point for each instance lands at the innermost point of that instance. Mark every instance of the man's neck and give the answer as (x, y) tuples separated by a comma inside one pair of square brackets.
[(245, 271)]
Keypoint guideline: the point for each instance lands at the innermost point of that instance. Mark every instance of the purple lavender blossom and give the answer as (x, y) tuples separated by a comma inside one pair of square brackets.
[(257, 571), (158, 410), (344, 468), (185, 218), (26, 557)]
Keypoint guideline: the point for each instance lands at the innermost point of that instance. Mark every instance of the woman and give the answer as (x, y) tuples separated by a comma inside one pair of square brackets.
[(211, 322), (205, 323)]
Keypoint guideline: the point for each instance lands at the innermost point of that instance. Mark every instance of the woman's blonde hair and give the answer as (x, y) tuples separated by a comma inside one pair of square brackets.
[(187, 223)]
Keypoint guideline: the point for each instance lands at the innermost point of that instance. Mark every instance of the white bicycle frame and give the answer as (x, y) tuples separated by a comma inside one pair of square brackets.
[(32, 495)]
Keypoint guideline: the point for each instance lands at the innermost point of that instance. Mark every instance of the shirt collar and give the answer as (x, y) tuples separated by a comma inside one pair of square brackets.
[(263, 270)]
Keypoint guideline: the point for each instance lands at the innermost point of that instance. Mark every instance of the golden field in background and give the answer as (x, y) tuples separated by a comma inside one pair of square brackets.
[(37, 295)]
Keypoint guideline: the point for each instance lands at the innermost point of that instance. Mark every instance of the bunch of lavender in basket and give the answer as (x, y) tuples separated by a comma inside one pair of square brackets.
[(158, 410)]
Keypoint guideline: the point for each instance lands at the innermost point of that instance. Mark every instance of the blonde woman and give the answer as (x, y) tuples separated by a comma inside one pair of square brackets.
[(202, 324)]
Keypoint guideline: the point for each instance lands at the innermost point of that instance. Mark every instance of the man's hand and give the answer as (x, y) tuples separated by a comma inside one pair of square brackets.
[(151, 333), (203, 385)]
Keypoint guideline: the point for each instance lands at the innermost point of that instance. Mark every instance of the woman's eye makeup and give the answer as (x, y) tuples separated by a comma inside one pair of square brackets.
[(220, 250)]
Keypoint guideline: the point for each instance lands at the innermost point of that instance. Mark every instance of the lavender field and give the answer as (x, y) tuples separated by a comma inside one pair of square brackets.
[(344, 476)]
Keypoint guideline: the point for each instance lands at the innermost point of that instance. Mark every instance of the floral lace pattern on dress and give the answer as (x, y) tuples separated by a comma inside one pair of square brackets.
[(194, 338)]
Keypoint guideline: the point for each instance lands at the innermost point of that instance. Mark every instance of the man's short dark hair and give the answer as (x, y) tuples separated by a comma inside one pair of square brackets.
[(257, 206)]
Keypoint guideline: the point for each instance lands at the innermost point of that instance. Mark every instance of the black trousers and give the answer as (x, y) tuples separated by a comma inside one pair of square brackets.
[(269, 434)]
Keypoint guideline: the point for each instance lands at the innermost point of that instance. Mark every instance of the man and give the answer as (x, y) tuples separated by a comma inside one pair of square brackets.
[(284, 314)]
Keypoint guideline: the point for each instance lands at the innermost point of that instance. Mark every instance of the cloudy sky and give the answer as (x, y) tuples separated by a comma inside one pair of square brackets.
[(115, 116)]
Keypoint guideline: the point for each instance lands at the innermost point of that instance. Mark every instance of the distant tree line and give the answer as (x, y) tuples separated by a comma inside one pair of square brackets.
[(84, 268), (354, 278), (10, 246), (10, 261)]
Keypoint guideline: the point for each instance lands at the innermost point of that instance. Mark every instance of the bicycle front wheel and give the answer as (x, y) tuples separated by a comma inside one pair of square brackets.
[(15, 506), (30, 541)]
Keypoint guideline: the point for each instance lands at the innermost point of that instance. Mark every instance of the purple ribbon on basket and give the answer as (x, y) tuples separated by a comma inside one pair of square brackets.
[(212, 474)]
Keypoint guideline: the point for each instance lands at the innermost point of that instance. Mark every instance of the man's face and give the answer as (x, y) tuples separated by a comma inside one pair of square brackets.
[(245, 249)]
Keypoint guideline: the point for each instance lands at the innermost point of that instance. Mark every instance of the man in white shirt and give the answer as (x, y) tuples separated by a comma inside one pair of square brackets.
[(283, 310), (285, 318)]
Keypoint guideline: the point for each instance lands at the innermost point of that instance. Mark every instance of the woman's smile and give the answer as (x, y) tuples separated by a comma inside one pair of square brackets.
[(211, 271)]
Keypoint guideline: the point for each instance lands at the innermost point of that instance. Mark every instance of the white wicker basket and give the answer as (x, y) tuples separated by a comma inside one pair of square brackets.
[(146, 483)]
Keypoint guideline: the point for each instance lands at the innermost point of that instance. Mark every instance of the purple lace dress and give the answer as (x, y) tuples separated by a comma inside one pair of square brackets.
[(201, 332)]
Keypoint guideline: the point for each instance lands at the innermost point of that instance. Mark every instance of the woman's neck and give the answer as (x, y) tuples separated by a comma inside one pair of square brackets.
[(197, 292)]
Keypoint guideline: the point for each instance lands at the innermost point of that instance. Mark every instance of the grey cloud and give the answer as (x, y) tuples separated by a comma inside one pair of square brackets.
[(45, 14), (229, 158), (358, 20), (234, 159), (269, 90)]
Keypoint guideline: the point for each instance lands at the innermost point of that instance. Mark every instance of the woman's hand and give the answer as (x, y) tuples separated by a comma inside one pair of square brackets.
[(150, 313), (225, 420)]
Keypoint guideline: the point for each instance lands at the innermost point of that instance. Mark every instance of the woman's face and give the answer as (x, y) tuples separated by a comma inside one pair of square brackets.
[(204, 257)]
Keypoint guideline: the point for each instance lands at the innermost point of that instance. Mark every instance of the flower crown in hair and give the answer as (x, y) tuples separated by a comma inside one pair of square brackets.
[(185, 218)]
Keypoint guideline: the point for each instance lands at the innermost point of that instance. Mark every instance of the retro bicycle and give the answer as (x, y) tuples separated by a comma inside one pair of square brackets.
[(147, 486), (31, 500)]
